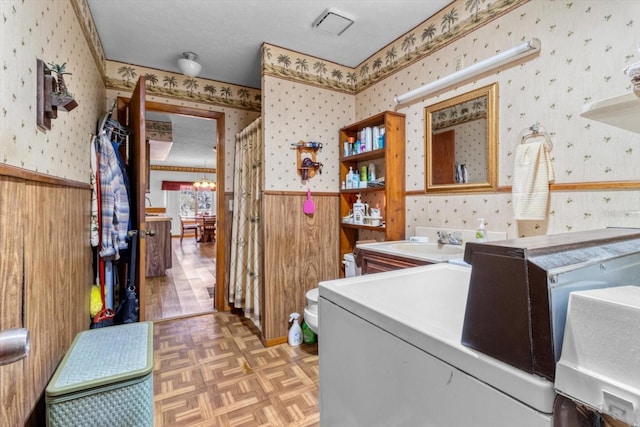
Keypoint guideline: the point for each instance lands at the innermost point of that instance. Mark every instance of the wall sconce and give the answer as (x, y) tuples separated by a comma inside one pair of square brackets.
[(474, 70), (188, 65), (52, 94)]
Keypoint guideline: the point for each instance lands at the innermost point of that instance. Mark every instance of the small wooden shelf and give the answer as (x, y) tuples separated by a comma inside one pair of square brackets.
[(367, 155), (363, 226), (361, 190)]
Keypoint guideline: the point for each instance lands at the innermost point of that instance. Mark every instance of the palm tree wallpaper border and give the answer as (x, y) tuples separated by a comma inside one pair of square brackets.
[(278, 61), (435, 33), (121, 76)]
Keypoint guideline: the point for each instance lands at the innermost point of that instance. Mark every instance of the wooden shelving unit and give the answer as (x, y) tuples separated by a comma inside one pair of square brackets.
[(390, 197)]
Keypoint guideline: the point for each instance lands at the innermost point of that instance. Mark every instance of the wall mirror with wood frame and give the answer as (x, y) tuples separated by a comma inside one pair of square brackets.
[(461, 142)]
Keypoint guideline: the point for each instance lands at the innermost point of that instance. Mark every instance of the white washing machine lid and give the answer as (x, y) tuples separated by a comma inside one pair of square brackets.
[(312, 295), (425, 306)]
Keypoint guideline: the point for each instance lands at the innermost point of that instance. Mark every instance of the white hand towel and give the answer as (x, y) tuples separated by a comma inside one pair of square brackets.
[(532, 173)]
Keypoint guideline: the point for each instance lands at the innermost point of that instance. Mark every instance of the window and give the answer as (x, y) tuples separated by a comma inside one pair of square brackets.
[(196, 202)]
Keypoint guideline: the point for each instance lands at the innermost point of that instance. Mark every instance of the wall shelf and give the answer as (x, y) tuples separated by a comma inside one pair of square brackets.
[(619, 111)]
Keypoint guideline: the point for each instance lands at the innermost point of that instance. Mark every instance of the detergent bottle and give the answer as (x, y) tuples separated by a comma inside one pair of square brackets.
[(295, 332), (308, 336)]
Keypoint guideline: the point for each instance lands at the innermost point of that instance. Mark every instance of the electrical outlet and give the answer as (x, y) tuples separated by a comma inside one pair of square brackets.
[(459, 62)]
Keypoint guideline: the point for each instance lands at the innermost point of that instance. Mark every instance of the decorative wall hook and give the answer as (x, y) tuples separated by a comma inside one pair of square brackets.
[(51, 94), (307, 164)]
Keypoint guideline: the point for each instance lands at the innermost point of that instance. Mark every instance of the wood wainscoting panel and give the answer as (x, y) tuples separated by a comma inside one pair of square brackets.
[(12, 378), (299, 251), (57, 277)]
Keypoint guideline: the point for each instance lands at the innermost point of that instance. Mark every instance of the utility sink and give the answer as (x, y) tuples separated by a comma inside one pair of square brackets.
[(427, 248), (427, 251)]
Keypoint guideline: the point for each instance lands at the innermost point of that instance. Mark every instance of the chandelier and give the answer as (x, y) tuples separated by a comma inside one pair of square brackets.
[(203, 183)]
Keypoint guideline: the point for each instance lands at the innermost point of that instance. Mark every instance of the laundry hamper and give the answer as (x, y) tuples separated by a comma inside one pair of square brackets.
[(106, 378)]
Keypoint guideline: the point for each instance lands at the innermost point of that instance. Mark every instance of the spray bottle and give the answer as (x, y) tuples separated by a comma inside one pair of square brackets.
[(295, 332), (481, 233)]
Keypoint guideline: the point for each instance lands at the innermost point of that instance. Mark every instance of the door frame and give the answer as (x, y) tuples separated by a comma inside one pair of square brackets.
[(220, 288)]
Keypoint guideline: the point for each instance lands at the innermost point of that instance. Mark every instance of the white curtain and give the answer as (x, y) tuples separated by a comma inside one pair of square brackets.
[(246, 245)]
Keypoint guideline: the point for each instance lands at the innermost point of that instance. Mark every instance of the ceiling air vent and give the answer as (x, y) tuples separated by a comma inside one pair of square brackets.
[(332, 22)]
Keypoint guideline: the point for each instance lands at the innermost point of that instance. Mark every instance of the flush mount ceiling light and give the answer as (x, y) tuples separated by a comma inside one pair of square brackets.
[(332, 22), (188, 65)]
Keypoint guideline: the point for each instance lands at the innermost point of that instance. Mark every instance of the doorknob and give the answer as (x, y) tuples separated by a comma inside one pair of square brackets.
[(14, 345), (143, 233)]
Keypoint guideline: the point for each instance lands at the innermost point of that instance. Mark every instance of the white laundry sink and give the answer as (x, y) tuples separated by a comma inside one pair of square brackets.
[(426, 251), (427, 248)]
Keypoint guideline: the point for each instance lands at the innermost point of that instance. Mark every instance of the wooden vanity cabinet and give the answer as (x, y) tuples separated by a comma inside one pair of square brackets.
[(375, 262)]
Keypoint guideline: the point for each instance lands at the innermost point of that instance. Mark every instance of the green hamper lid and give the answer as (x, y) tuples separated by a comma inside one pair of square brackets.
[(103, 356)]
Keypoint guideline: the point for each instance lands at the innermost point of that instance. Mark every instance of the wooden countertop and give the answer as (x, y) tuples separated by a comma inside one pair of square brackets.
[(150, 218)]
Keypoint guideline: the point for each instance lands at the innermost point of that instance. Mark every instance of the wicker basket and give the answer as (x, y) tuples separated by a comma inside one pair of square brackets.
[(106, 378)]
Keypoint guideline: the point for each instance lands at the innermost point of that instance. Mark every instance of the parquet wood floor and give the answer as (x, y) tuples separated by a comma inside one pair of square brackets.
[(183, 291), (212, 370)]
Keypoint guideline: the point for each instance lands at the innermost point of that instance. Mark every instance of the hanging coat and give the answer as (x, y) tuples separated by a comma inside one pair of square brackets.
[(114, 202), (95, 187)]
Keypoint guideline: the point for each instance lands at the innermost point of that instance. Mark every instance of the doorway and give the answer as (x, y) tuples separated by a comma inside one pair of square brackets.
[(220, 249), (182, 150)]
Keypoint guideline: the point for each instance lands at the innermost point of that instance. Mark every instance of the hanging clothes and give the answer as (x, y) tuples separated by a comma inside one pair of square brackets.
[(95, 187), (114, 201), (125, 175)]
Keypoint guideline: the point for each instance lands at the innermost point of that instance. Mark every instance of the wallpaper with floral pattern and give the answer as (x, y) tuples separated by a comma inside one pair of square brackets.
[(585, 46), (47, 30), (62, 31), (235, 120), (293, 112)]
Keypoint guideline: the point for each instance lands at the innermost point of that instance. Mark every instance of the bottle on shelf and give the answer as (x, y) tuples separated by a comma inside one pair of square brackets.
[(381, 138), (349, 183), (363, 176), (358, 211), (372, 172), (376, 138), (368, 139)]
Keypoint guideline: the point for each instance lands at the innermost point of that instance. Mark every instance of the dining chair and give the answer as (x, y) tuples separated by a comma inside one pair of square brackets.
[(209, 229), (188, 225)]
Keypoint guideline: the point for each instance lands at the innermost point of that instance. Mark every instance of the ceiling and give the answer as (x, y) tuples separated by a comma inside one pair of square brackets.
[(194, 140), (227, 34)]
